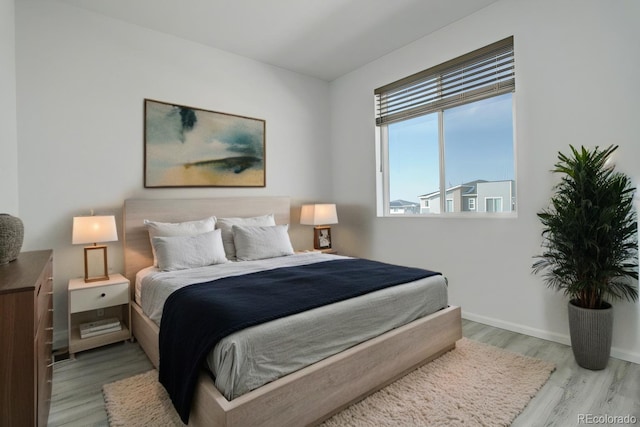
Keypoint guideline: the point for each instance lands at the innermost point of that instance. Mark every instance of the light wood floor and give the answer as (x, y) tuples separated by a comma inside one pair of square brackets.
[(570, 393)]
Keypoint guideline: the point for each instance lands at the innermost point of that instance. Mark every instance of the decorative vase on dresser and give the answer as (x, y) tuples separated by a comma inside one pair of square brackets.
[(26, 336), (11, 237)]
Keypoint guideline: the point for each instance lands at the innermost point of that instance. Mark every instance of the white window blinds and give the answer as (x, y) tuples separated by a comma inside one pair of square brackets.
[(483, 73)]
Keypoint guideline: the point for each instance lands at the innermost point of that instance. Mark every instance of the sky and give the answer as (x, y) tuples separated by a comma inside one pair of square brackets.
[(478, 145)]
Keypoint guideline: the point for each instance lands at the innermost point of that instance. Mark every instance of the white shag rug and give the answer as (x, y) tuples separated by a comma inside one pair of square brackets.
[(473, 385)]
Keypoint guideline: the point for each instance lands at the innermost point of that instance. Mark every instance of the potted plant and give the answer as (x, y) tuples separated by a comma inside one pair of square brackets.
[(590, 248)]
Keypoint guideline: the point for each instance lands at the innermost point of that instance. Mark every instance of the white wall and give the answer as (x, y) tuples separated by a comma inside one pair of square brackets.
[(576, 65), (81, 82), (8, 137), (81, 79)]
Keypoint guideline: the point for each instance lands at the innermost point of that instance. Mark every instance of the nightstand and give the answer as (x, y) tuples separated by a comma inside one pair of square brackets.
[(327, 251), (95, 303), (324, 251)]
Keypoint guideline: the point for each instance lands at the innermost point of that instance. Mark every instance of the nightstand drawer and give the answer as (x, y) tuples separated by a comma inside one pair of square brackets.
[(98, 297)]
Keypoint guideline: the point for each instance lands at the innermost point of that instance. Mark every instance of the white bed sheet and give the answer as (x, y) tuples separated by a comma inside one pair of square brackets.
[(257, 355)]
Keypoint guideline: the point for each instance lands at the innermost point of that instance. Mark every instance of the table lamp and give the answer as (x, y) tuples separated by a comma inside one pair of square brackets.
[(94, 229), (320, 215)]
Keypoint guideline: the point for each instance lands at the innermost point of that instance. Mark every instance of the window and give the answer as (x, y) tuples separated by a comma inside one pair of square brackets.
[(450, 205), (446, 135), (493, 204)]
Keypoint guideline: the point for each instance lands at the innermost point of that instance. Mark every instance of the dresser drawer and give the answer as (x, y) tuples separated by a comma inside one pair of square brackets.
[(44, 292), (98, 297), (44, 349)]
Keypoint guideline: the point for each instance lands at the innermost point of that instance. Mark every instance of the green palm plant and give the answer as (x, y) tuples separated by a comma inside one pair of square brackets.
[(590, 231)]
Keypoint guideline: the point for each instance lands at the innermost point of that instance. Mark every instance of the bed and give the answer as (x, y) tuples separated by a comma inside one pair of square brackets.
[(308, 395)]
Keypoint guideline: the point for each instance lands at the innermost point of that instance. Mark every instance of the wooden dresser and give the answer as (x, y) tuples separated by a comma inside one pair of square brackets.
[(26, 336)]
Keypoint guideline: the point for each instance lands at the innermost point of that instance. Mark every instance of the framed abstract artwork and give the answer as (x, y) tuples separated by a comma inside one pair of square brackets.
[(191, 147)]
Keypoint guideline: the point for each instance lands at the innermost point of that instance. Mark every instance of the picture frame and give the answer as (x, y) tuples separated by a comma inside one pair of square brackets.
[(192, 147), (322, 237), (95, 263)]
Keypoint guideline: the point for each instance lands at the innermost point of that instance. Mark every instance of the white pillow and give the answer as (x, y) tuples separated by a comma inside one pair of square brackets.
[(261, 242), (226, 224), (182, 252), (187, 228)]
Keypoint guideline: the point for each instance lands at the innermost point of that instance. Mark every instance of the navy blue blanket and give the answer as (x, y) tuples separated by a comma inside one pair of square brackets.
[(196, 317)]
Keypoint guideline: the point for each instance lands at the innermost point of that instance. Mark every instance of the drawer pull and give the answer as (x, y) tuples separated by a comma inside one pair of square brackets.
[(49, 329), (50, 293), (50, 365)]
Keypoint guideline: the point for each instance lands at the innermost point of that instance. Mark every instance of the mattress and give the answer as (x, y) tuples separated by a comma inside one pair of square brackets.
[(250, 358)]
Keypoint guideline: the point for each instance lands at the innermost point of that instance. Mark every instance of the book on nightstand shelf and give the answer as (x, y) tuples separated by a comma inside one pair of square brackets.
[(100, 327)]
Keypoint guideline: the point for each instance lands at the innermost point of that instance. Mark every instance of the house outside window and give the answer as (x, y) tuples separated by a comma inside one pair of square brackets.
[(446, 136), (403, 207)]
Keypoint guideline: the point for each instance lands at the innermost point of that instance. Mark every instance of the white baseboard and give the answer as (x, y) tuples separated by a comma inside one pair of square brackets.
[(545, 335)]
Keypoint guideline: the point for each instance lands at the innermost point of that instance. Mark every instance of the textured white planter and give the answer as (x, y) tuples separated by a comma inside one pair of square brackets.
[(591, 331), (11, 237)]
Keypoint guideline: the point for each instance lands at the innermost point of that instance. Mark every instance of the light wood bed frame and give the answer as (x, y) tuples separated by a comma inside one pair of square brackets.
[(309, 395)]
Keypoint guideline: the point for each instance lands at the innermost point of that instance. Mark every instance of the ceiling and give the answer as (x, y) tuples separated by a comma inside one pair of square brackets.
[(320, 38)]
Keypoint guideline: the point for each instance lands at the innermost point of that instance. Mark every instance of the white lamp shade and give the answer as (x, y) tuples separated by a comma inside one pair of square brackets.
[(94, 229), (318, 214)]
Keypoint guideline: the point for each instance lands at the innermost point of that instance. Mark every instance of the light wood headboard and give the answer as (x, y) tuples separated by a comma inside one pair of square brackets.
[(137, 248)]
